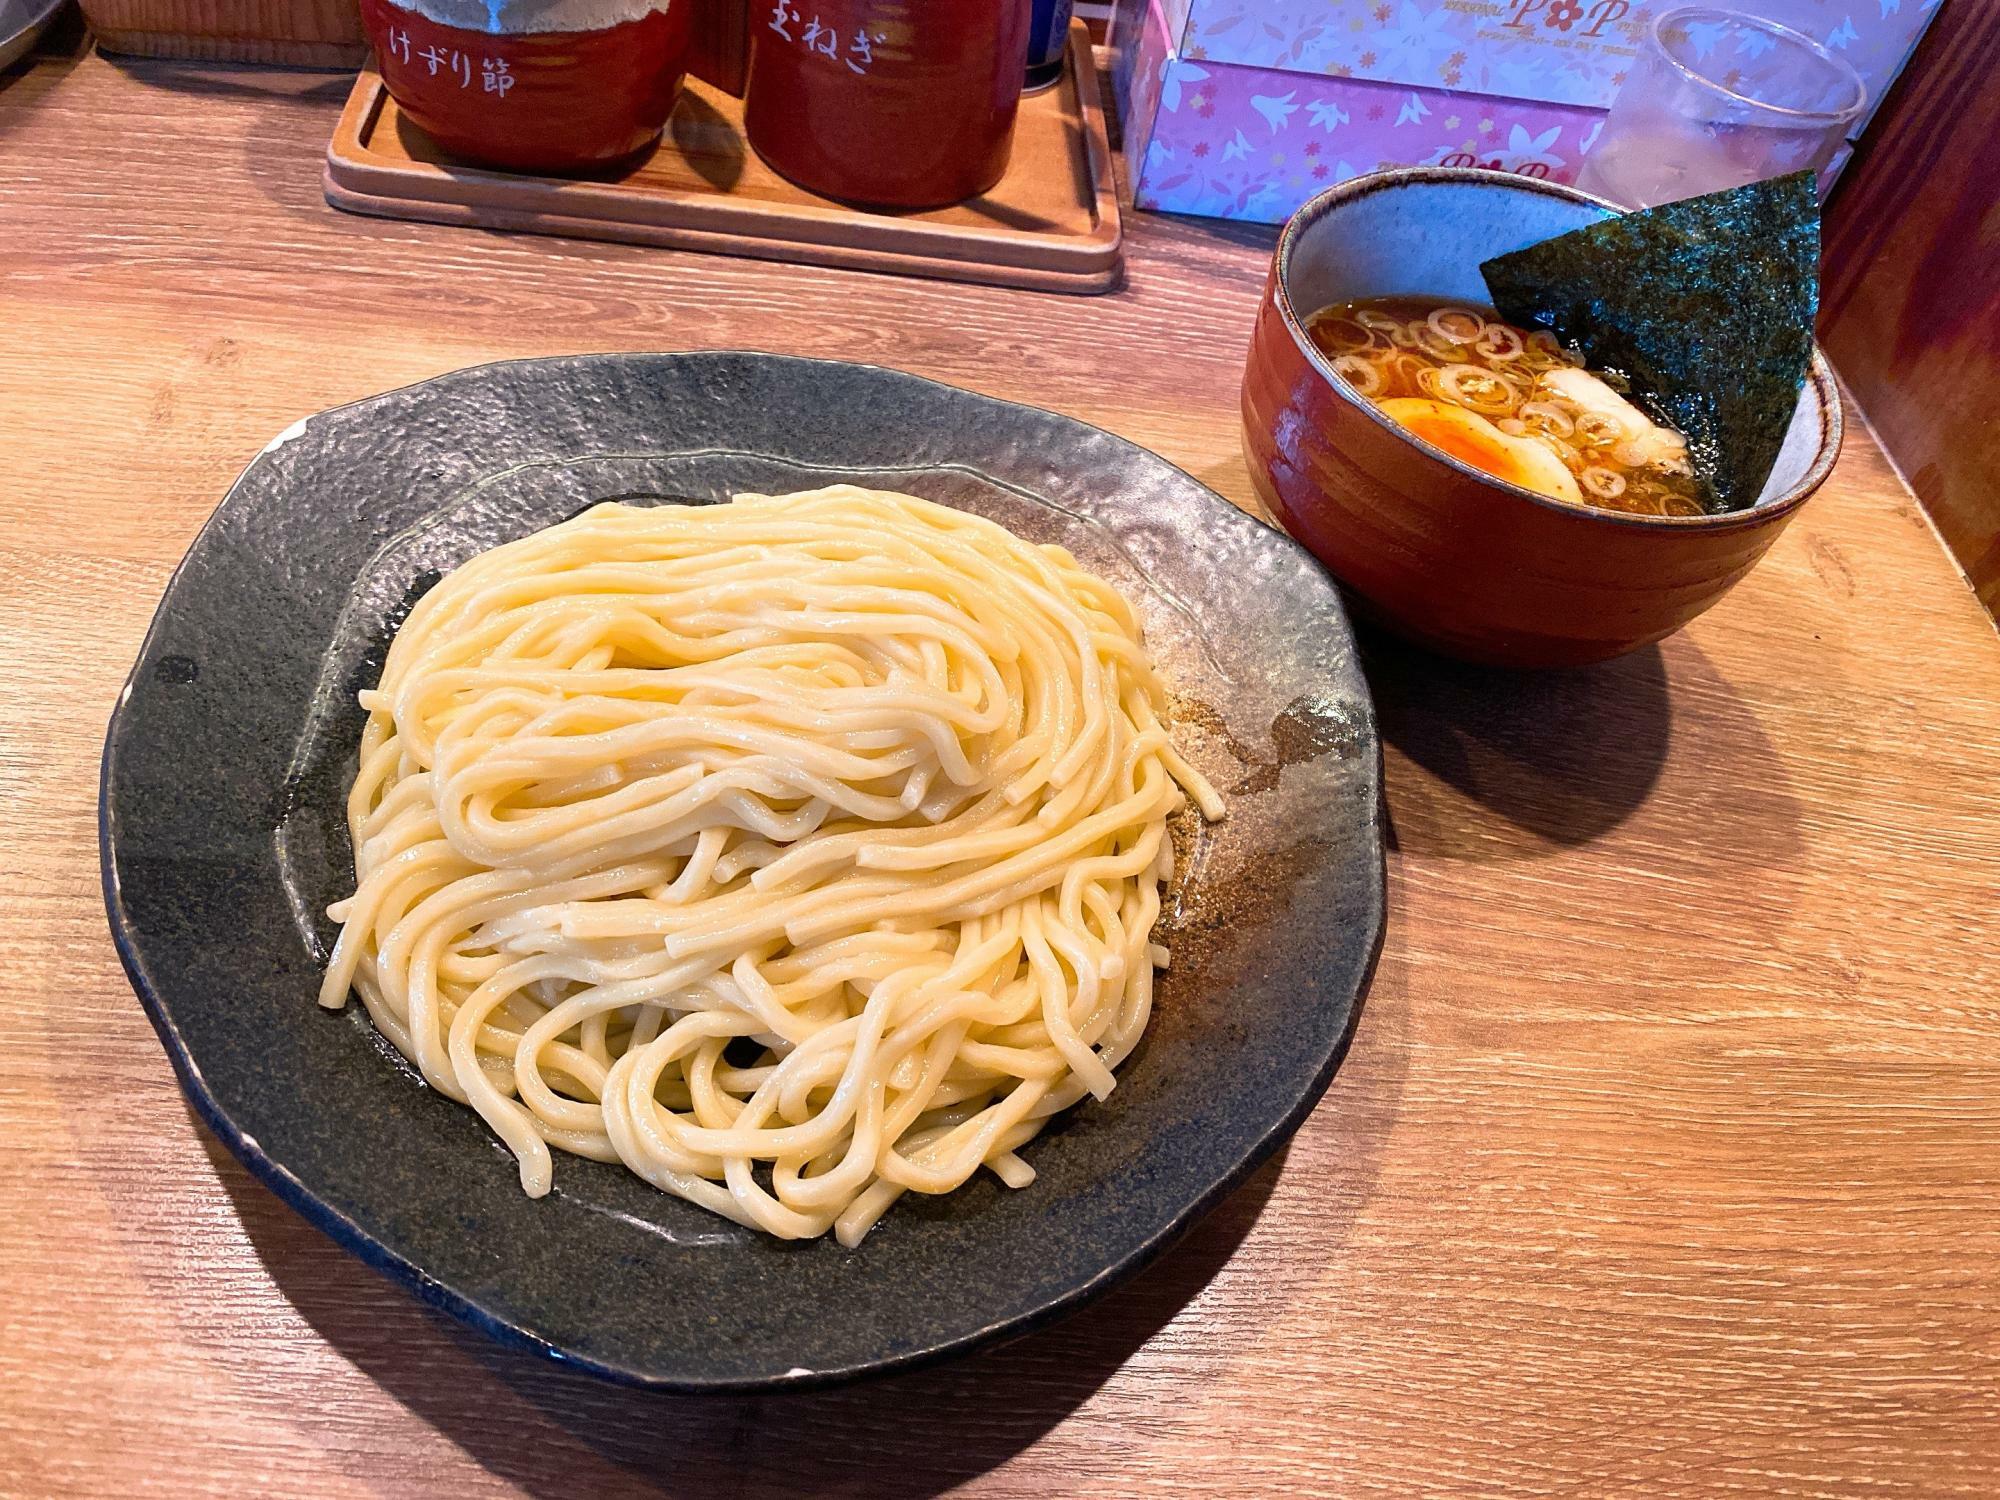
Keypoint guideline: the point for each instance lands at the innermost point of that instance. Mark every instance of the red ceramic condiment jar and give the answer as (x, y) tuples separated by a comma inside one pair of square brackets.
[(534, 85), (891, 103)]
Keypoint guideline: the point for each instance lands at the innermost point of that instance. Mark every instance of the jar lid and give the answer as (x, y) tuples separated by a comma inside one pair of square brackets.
[(517, 17)]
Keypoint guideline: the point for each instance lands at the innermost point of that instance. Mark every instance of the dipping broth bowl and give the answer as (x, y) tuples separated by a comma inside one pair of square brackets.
[(1439, 551)]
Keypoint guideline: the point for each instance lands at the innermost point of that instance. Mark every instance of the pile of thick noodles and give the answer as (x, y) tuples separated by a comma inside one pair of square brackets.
[(797, 852), (1401, 347)]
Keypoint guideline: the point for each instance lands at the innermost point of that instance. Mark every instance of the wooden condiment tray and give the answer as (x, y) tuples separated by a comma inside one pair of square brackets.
[(1052, 223)]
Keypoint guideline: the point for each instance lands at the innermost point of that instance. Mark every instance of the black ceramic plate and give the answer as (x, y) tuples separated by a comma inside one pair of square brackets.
[(223, 841)]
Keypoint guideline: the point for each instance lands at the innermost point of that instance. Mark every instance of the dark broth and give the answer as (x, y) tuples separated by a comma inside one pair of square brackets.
[(1413, 355)]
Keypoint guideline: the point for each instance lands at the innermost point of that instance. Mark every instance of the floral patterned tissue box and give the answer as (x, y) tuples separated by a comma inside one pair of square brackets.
[(1244, 108)]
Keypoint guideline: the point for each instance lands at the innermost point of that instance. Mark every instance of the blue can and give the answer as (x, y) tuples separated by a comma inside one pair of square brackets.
[(1048, 41)]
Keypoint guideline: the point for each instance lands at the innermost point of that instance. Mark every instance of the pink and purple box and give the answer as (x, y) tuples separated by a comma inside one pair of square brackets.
[(1243, 109)]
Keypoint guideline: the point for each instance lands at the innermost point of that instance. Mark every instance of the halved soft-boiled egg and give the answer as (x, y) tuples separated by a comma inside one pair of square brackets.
[(1471, 439)]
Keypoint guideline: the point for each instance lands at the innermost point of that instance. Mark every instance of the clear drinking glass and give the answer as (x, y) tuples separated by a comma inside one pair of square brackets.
[(1717, 99)]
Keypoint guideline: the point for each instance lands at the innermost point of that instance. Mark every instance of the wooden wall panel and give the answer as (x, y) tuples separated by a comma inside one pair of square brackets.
[(1911, 309), (303, 33)]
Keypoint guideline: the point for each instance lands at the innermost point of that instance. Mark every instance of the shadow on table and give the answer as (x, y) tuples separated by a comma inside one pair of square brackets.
[(1234, 233), (229, 80), (1523, 763), (1564, 755), (31, 78), (554, 1433)]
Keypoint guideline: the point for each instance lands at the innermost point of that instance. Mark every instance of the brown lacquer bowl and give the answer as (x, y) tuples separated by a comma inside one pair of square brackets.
[(1465, 563)]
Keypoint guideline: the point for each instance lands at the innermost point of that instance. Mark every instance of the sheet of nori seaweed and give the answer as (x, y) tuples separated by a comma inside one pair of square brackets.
[(1706, 305)]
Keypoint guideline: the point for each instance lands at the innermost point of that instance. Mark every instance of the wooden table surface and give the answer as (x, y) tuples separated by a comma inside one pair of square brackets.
[(1667, 1157)]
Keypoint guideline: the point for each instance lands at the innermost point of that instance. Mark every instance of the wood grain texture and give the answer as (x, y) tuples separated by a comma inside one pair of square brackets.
[(1666, 1158), (306, 33), (1911, 307)]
